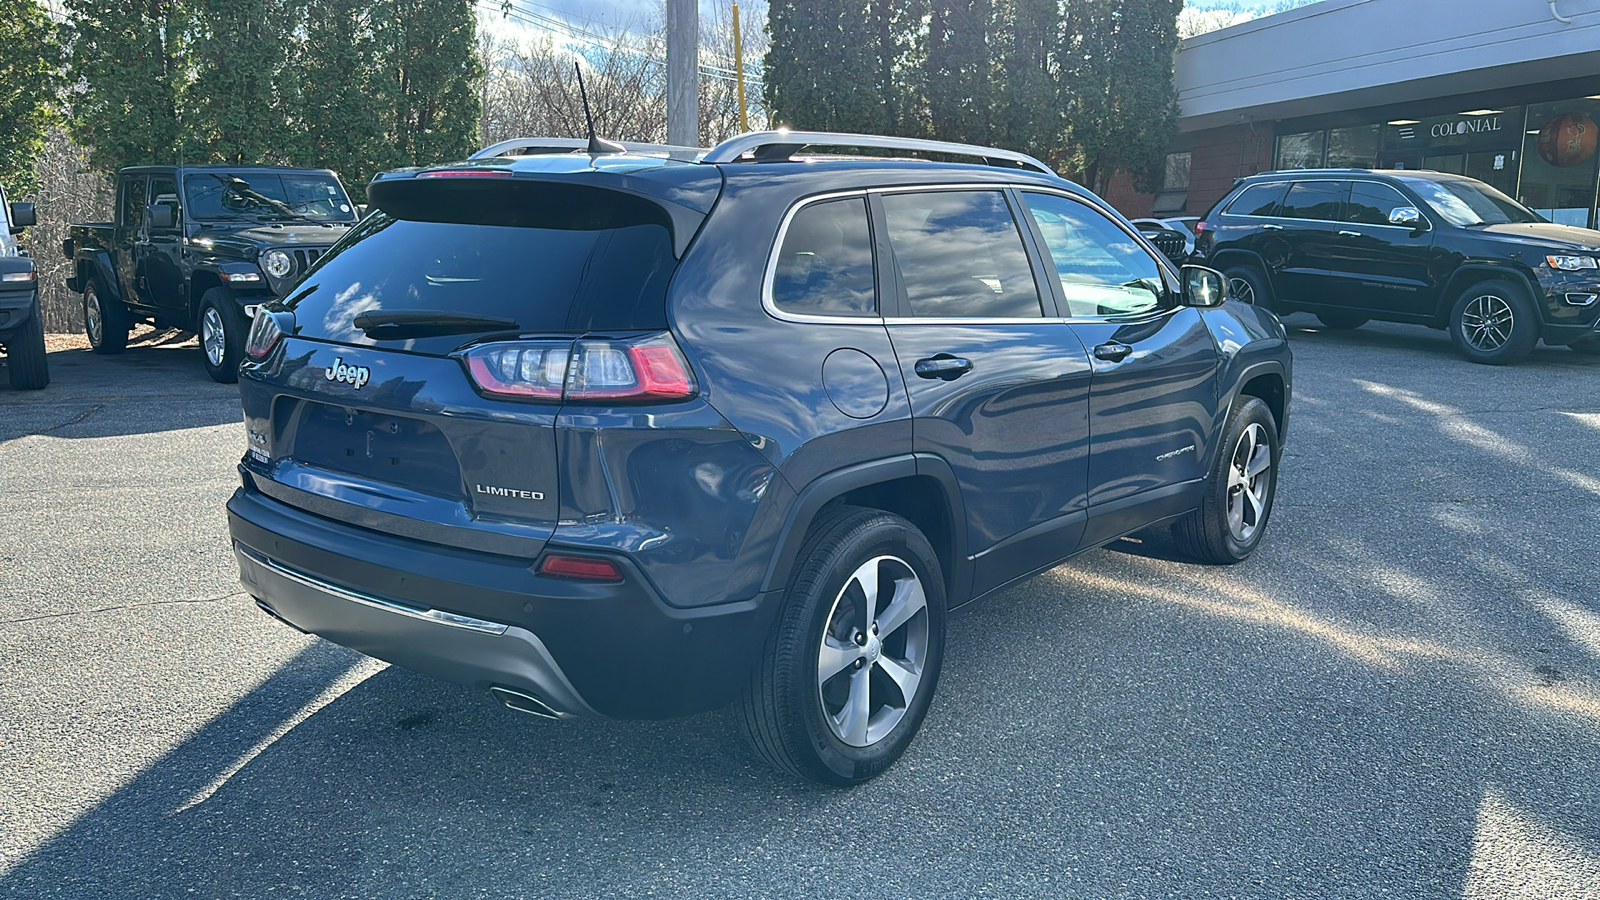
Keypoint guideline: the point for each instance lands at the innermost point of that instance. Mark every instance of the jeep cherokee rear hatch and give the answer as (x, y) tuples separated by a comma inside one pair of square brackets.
[(412, 381)]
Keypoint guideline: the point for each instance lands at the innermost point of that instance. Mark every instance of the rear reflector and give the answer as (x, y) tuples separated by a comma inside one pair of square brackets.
[(583, 568)]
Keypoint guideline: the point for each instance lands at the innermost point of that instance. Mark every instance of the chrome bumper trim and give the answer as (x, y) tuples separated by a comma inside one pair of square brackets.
[(436, 616)]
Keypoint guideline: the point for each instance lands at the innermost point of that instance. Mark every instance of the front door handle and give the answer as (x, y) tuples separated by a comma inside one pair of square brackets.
[(943, 366), (1112, 352), (1350, 234), (1272, 228)]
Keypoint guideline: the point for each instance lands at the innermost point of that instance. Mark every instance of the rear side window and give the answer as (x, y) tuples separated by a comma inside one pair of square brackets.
[(1370, 203), (960, 256), (1258, 200), (825, 264), (1314, 200), (133, 202), (541, 279)]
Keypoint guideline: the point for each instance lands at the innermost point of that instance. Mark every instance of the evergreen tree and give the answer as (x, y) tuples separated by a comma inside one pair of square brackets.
[(429, 71), (340, 121), (30, 60), (1122, 107), (132, 62), (1032, 119), (822, 68), (960, 71), (243, 92)]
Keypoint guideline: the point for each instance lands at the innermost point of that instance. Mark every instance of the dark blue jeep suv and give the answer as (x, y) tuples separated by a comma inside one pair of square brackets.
[(637, 436)]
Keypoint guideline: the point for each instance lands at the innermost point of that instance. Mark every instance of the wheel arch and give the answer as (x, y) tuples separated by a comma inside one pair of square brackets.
[(1267, 381), (917, 487), (96, 265), (1474, 272)]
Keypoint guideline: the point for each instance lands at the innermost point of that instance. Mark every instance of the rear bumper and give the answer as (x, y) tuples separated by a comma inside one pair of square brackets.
[(489, 622)]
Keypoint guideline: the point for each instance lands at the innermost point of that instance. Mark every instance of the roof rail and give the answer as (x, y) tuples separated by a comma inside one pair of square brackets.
[(781, 146), (536, 146)]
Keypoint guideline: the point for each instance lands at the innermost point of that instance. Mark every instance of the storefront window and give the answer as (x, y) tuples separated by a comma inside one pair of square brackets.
[(1559, 161), (1353, 148), (1300, 151)]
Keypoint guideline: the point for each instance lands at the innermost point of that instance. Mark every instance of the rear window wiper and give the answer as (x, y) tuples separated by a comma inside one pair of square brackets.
[(407, 323)]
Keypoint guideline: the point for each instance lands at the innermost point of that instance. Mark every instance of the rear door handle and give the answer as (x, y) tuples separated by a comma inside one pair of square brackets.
[(1350, 234), (1272, 228), (1112, 352), (943, 366)]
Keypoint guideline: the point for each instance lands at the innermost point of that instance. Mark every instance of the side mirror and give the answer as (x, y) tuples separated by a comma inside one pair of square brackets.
[(22, 215), (1408, 216), (1203, 287), (163, 216)]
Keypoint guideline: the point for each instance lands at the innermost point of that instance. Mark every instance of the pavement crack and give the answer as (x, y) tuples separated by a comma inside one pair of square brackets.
[(122, 606), (56, 427)]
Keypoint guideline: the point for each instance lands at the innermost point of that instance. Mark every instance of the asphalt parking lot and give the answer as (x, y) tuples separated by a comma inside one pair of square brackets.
[(1398, 696)]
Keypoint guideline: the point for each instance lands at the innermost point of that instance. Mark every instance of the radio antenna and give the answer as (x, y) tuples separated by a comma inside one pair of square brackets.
[(598, 146)]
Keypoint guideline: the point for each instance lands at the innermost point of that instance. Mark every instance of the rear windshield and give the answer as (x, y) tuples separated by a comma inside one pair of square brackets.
[(541, 279)]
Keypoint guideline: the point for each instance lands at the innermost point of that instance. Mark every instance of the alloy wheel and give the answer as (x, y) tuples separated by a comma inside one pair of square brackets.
[(1487, 322), (873, 651), (93, 318), (1249, 479), (1240, 289), (213, 336)]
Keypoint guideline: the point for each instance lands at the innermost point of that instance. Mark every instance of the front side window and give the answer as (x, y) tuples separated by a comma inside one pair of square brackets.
[(1102, 270), (825, 264), (960, 256), (1321, 200), (164, 192), (1370, 203)]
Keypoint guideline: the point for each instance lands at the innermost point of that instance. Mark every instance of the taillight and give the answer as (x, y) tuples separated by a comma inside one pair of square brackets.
[(264, 335), (650, 368), (1200, 226)]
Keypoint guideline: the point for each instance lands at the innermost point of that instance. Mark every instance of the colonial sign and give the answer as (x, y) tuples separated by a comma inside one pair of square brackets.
[(1481, 130)]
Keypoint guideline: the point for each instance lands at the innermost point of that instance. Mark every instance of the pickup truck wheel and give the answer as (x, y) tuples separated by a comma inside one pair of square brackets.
[(26, 364), (850, 669), (1494, 323), (222, 329), (1238, 496), (104, 320)]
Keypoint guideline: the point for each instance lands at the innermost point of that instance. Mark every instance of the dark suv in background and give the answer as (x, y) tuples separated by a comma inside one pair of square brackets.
[(631, 436), (1427, 248)]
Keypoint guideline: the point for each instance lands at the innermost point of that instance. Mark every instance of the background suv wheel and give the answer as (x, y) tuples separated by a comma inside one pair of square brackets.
[(848, 675), (1493, 322), (1249, 284)]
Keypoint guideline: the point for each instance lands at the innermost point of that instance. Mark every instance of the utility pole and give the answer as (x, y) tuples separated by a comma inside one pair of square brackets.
[(738, 66), (683, 73)]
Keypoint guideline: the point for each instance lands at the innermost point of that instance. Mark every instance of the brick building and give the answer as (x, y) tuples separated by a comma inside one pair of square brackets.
[(1506, 91)]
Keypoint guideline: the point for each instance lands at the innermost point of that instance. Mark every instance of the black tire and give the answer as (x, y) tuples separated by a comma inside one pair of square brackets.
[(1589, 346), (26, 365), (105, 321), (222, 328), (1493, 322), (1340, 321), (791, 715), (1249, 284), (1208, 534)]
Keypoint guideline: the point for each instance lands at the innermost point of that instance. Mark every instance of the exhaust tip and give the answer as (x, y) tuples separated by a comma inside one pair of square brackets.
[(525, 702)]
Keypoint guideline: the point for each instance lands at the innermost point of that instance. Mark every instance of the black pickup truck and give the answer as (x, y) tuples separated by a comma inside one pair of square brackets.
[(198, 247)]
